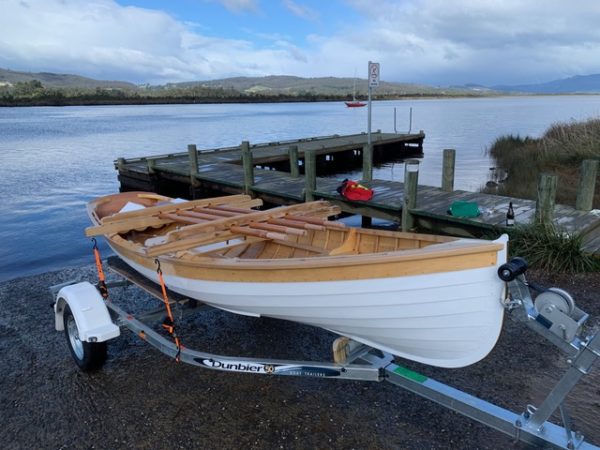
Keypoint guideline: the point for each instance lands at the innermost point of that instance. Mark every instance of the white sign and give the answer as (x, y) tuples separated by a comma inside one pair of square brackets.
[(373, 74)]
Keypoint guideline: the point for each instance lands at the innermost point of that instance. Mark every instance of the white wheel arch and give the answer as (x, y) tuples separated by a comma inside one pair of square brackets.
[(93, 320)]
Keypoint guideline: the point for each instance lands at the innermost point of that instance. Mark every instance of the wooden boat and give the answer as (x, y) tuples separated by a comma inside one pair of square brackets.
[(432, 299)]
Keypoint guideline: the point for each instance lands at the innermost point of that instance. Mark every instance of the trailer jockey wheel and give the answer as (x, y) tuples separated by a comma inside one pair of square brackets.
[(88, 355)]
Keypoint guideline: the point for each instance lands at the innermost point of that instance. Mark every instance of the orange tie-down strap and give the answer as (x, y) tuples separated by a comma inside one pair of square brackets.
[(169, 323), (101, 278)]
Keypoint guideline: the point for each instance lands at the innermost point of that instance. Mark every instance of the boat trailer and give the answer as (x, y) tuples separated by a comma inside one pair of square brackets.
[(89, 320)]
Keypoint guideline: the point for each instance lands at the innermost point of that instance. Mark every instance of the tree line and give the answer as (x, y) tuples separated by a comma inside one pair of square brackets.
[(34, 93)]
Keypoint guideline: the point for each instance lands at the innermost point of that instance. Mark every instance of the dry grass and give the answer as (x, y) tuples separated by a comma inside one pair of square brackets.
[(561, 150)]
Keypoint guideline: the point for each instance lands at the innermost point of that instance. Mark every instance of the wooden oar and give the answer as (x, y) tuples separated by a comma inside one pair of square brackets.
[(171, 207), (296, 224), (150, 217), (195, 235), (243, 219), (318, 221), (198, 215), (221, 213), (278, 228), (180, 218)]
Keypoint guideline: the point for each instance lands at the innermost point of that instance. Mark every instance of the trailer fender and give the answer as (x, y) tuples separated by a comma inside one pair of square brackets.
[(93, 320)]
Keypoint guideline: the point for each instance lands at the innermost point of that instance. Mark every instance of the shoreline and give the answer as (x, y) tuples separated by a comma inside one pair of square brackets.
[(273, 100), (141, 101)]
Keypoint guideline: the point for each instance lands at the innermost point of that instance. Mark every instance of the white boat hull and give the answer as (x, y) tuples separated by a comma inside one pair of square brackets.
[(448, 319)]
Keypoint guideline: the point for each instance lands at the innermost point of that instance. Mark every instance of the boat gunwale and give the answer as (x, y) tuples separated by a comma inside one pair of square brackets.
[(464, 248), (451, 247)]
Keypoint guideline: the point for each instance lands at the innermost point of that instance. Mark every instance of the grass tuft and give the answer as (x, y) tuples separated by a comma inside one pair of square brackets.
[(548, 248), (560, 150)]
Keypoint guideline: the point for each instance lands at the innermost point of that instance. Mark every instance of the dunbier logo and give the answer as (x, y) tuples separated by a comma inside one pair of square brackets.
[(234, 366), (271, 369)]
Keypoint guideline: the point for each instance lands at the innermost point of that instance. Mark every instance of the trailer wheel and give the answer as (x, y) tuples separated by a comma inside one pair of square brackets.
[(88, 356)]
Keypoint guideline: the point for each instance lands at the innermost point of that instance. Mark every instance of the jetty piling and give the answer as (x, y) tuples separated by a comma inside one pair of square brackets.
[(587, 185), (193, 154), (293, 155), (310, 175), (248, 165), (544, 207), (448, 166), (411, 184)]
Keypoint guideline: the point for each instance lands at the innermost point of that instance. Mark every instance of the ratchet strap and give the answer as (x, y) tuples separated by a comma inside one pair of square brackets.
[(168, 324), (101, 278)]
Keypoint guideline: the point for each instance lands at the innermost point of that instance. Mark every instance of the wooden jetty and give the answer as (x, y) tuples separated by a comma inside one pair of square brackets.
[(285, 172)]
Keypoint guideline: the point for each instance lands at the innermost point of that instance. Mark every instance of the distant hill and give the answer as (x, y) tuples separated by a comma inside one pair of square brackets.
[(290, 85), (584, 84), (325, 86), (57, 80)]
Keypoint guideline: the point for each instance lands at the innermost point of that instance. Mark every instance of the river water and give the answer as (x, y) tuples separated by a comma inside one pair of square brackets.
[(53, 160)]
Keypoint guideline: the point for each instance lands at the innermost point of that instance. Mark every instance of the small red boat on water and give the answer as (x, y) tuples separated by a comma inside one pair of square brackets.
[(355, 104)]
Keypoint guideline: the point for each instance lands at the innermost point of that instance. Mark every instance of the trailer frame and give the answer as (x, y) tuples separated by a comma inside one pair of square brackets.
[(562, 325)]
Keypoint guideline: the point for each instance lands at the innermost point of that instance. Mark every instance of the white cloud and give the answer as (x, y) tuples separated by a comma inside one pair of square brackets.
[(481, 40), (430, 41), (100, 38)]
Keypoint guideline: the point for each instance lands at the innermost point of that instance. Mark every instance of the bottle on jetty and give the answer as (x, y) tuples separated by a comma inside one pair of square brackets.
[(510, 215)]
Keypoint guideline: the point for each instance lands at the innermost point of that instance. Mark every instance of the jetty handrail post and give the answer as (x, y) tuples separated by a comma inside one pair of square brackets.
[(310, 175), (193, 154), (293, 155), (151, 162), (248, 167), (448, 165), (411, 180), (546, 196), (587, 185), (367, 152)]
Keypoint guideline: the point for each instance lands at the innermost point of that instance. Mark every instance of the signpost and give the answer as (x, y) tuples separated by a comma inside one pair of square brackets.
[(373, 82)]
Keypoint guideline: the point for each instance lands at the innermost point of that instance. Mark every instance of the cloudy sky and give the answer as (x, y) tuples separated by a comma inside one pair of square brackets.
[(437, 42)]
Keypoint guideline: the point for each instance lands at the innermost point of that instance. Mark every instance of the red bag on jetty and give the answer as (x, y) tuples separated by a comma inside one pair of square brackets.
[(352, 190)]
